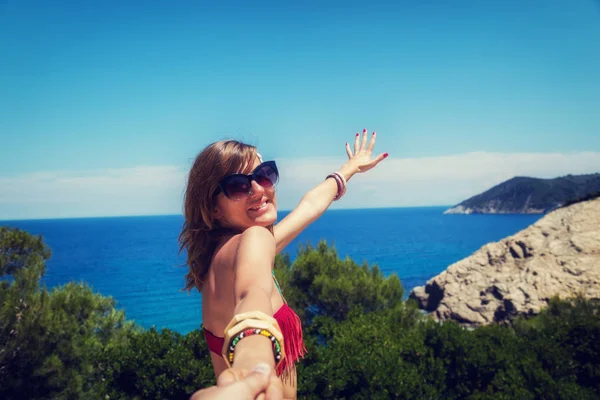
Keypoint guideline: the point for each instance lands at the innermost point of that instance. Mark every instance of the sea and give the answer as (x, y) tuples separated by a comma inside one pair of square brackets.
[(136, 260)]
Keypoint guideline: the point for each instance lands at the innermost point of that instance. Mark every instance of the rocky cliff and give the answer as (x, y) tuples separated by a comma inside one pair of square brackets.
[(557, 256)]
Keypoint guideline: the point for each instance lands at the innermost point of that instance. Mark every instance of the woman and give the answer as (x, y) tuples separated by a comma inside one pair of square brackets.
[(230, 210)]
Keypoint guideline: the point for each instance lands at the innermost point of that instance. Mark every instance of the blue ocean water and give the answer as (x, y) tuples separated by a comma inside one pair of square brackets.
[(136, 260)]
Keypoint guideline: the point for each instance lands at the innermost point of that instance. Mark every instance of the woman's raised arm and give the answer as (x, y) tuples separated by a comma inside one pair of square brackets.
[(317, 200)]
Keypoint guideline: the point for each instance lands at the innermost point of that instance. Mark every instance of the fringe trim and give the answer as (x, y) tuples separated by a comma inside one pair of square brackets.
[(291, 328)]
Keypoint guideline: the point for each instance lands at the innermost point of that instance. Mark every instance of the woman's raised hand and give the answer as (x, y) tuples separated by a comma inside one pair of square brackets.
[(361, 159)]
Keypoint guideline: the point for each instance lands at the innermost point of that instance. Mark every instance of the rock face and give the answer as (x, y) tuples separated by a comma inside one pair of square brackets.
[(558, 255)]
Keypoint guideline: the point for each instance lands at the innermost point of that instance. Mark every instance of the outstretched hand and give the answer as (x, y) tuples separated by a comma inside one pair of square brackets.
[(361, 159), (260, 383)]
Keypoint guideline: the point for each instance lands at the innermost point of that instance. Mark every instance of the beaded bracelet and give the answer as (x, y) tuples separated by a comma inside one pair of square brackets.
[(248, 324), (277, 351), (341, 184)]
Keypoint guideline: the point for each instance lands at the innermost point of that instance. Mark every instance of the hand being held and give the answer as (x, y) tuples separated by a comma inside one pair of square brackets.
[(260, 383), (361, 159)]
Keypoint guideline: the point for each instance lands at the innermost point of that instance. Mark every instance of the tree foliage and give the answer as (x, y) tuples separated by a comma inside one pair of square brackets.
[(50, 340), (158, 365), (18, 248), (321, 284)]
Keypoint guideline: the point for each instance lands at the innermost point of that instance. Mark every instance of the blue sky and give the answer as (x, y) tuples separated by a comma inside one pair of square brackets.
[(93, 92)]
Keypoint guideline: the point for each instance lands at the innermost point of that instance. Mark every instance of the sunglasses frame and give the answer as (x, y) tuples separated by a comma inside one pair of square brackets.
[(251, 177)]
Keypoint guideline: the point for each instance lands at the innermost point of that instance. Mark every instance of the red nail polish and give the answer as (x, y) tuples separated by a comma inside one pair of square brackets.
[(385, 155), (373, 133), (357, 134), (365, 130), (346, 143)]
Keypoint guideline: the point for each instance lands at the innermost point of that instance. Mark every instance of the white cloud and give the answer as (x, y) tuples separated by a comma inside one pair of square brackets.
[(127, 191), (396, 182), (447, 180)]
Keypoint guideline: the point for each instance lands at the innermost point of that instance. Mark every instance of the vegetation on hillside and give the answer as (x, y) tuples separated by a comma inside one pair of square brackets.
[(363, 341), (524, 194)]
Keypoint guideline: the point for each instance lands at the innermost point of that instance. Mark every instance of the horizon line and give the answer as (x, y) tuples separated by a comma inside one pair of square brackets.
[(181, 214)]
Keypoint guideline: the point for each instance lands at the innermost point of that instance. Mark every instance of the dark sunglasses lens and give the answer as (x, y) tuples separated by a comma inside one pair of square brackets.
[(266, 176), (237, 187)]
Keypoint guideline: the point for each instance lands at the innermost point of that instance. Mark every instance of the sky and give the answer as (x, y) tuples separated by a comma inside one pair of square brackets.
[(104, 105)]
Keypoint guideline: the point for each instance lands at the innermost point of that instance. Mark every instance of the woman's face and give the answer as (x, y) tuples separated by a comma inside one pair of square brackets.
[(258, 208)]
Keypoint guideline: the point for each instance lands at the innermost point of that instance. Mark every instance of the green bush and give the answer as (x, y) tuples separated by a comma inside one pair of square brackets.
[(566, 340), (50, 340), (320, 283), (158, 365)]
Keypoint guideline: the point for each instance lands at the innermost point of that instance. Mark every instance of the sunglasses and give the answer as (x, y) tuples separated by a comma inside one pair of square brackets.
[(239, 186)]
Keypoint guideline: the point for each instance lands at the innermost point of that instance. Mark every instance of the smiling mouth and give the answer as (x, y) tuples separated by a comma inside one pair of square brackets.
[(260, 206)]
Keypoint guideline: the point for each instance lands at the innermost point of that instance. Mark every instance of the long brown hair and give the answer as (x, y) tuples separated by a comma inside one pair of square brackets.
[(201, 232)]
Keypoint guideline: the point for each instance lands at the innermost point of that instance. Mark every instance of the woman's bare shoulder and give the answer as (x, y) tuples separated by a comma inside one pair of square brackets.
[(257, 235), (227, 249), (244, 244)]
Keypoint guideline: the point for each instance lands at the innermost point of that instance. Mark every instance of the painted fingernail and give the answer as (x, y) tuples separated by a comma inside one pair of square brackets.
[(385, 155), (357, 134), (346, 143), (365, 130), (262, 368), (373, 133)]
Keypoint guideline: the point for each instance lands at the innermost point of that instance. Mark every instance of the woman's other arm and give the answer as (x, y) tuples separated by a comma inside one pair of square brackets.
[(253, 284)]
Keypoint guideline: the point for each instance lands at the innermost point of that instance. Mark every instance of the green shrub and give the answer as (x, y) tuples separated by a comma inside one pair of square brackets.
[(320, 283), (158, 365)]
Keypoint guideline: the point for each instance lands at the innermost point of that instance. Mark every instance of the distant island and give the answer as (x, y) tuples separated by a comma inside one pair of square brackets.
[(525, 195)]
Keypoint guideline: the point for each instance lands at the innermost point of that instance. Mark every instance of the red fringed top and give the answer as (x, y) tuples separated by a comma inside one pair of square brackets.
[(291, 328)]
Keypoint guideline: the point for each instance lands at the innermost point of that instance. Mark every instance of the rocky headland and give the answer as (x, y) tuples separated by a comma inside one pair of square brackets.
[(559, 255), (525, 195)]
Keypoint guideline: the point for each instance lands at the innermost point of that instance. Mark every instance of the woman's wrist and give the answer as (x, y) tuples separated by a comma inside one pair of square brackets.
[(253, 350), (252, 336), (347, 171)]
